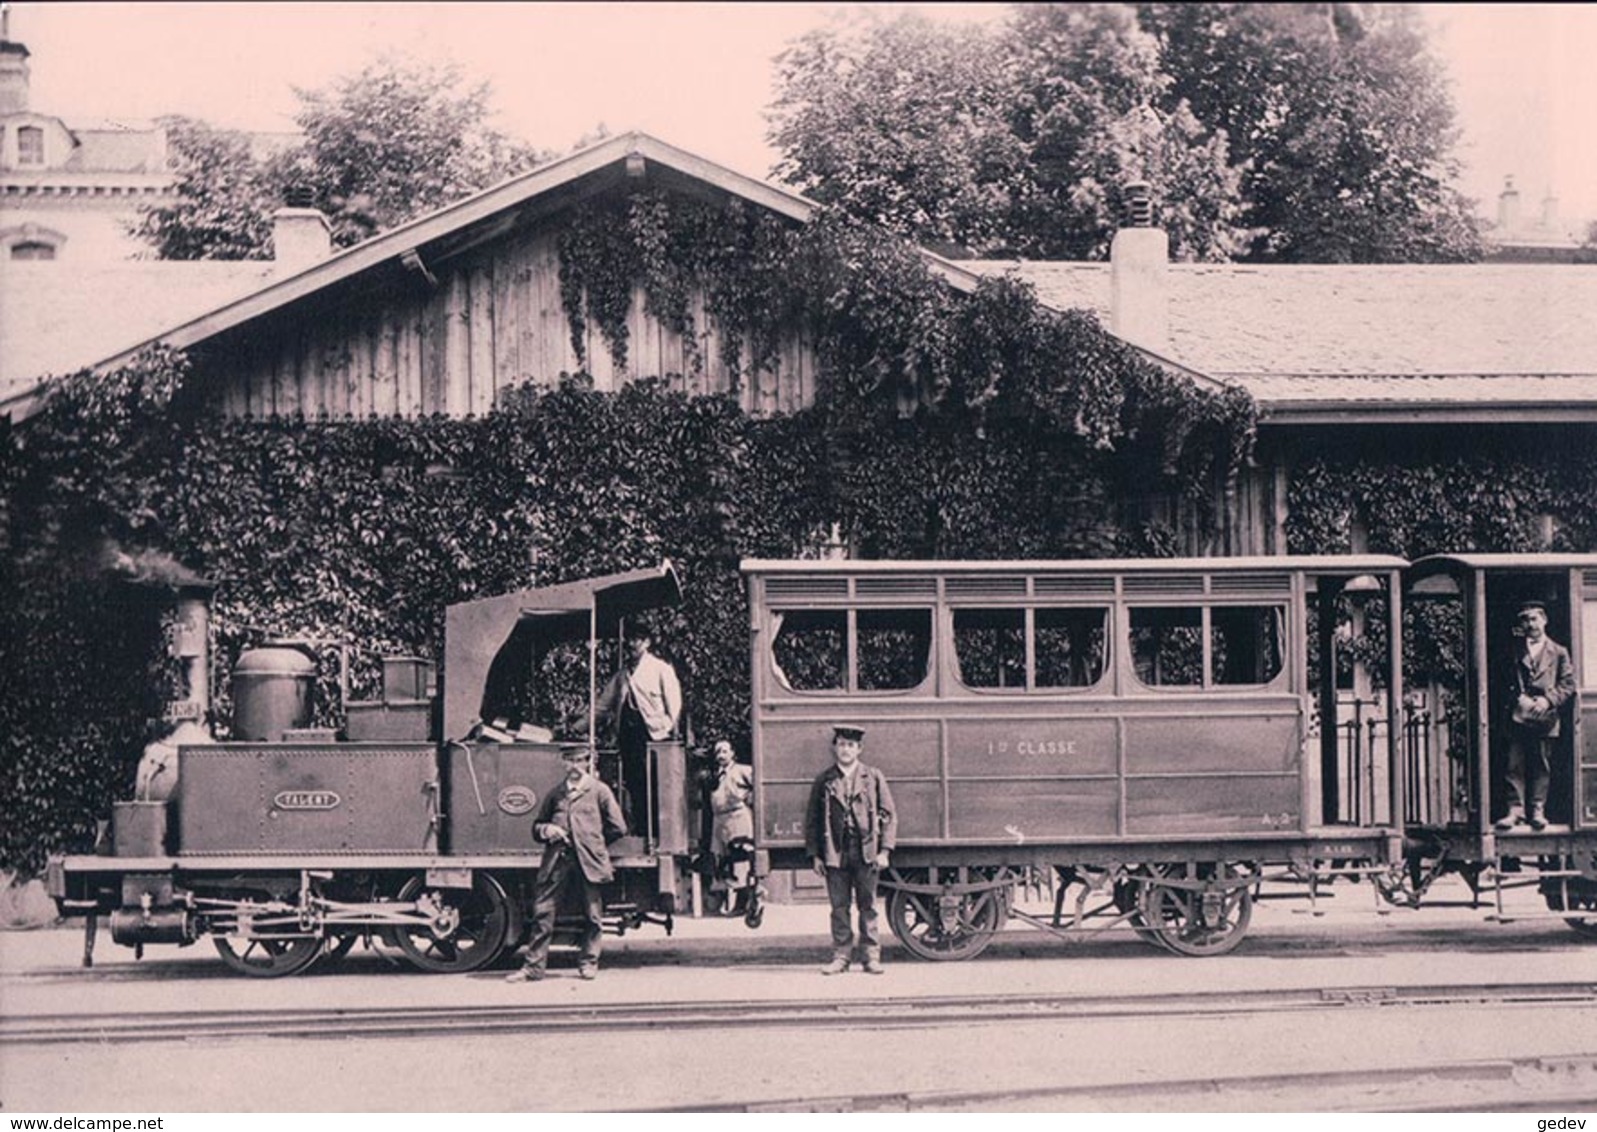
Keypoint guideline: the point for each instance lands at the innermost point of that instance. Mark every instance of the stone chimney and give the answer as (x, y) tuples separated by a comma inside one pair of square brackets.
[(13, 68), (1508, 206), (1139, 276), (301, 235)]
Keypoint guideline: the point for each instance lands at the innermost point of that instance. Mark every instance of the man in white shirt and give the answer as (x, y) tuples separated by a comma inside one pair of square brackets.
[(641, 703)]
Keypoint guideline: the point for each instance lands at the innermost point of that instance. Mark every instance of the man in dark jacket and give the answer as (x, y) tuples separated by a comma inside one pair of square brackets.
[(849, 830), (1541, 681), (575, 824)]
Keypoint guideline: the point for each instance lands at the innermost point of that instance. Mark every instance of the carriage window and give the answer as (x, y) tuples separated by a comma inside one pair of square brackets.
[(1244, 644), (810, 648), (990, 645), (892, 648), (1167, 646), (1070, 647)]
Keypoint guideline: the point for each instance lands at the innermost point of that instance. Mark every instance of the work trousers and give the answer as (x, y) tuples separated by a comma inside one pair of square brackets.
[(850, 887), (564, 873), (1530, 761)]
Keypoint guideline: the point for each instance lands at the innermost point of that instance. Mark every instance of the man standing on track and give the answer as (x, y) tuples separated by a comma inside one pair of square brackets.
[(576, 824), (849, 831)]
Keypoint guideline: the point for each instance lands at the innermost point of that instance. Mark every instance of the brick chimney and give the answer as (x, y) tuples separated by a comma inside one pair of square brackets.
[(13, 68), (1139, 276), (1508, 206), (301, 235)]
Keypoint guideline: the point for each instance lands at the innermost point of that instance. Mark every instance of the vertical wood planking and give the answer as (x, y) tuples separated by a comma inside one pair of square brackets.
[(410, 347), (507, 323), (478, 392), (385, 372)]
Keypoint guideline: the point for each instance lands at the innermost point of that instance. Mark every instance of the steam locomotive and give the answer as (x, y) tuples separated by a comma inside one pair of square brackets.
[(287, 843), (1153, 739)]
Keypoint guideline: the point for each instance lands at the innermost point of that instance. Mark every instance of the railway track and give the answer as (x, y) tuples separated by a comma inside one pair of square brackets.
[(1529, 1084), (871, 1013)]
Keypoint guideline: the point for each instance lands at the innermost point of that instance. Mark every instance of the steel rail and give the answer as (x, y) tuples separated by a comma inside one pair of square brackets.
[(866, 1013), (1517, 1084)]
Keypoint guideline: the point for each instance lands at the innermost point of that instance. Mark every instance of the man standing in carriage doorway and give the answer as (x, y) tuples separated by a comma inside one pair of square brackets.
[(1542, 679), (642, 702), (849, 831)]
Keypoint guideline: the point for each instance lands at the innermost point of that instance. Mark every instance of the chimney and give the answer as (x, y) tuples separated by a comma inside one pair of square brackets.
[(1139, 262), (301, 235), (1508, 206), (1549, 210), (13, 68)]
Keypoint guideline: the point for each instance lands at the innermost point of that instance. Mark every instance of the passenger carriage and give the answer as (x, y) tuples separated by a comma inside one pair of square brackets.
[(1160, 735)]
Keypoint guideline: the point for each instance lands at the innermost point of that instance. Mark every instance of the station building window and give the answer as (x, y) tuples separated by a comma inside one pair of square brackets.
[(866, 650), (32, 249), (1192, 646), (1067, 647)]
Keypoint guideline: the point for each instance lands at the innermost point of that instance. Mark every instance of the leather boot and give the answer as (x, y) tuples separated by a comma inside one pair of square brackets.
[(1514, 817)]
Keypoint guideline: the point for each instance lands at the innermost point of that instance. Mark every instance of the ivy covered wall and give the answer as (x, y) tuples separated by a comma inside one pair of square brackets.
[(365, 529)]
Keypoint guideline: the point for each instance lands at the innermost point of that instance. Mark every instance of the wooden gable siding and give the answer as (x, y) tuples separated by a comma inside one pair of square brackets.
[(494, 321)]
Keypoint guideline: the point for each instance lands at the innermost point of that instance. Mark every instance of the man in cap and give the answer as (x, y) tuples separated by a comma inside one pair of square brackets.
[(575, 825), (849, 830), (641, 703), (1541, 679)]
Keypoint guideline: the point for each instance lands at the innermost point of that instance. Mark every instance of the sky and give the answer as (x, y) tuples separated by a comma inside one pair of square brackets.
[(701, 75)]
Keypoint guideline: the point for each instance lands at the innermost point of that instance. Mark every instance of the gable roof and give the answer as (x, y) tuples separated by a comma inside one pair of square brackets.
[(1307, 340)]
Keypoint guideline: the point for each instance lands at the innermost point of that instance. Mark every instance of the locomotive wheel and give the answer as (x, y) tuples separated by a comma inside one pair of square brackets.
[(269, 958), (1582, 897), (478, 938), (1189, 922), (933, 934), (339, 946)]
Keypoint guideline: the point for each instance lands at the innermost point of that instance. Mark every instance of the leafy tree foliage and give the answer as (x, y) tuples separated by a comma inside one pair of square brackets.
[(1342, 122), (396, 140), (1287, 132), (1011, 140), (223, 198)]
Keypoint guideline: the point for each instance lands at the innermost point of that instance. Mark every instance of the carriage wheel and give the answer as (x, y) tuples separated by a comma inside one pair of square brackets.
[(932, 929), (1582, 897), (1128, 896), (1198, 920), (477, 923)]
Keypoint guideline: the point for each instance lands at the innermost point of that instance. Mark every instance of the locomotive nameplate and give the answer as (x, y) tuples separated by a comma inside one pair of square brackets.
[(517, 800), (306, 800)]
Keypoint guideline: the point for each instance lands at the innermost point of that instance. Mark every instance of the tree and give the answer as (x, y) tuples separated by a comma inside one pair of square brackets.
[(396, 140), (1289, 132), (222, 202), (1341, 119), (984, 140)]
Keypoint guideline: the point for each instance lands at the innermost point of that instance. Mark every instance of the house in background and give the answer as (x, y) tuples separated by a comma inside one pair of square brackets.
[(1545, 237), (68, 191)]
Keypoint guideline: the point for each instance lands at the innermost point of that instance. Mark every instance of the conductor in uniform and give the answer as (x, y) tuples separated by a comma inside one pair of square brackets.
[(576, 824), (849, 831), (1542, 680)]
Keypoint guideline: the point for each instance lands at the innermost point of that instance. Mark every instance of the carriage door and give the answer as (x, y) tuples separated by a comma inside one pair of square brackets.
[(1356, 747), (1505, 591), (1440, 704)]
